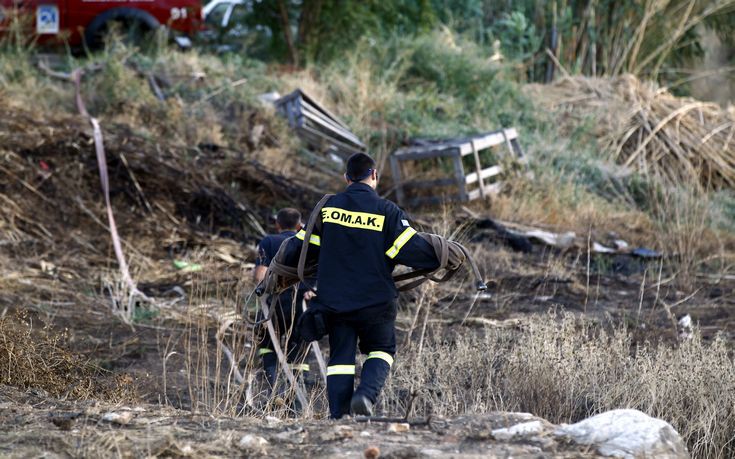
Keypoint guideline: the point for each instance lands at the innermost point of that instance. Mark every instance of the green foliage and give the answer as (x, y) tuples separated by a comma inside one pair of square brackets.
[(436, 85), (601, 37), (518, 35)]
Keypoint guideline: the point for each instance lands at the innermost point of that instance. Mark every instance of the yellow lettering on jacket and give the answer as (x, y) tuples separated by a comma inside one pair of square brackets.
[(362, 220)]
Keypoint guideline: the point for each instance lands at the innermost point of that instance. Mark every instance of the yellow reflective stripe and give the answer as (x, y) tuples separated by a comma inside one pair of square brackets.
[(400, 242), (382, 356), (340, 370), (264, 351), (299, 366), (313, 239), (362, 220)]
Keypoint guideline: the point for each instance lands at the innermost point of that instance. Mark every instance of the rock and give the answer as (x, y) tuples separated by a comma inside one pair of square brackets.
[(291, 436), (272, 420), (372, 452), (253, 442), (523, 429), (338, 433), (398, 427), (628, 434), (123, 418), (686, 330)]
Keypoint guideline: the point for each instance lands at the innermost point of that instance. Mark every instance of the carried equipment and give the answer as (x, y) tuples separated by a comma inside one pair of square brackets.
[(451, 254)]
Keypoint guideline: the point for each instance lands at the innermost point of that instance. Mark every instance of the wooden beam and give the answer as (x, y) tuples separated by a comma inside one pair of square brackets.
[(315, 115), (489, 190), (476, 154), (395, 169), (459, 177), (489, 140), (437, 151), (485, 173)]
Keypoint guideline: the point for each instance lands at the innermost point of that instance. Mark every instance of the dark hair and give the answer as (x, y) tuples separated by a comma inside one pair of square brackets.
[(359, 167), (288, 218)]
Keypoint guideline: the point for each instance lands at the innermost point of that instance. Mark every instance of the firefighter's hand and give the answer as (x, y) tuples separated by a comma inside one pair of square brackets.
[(309, 295)]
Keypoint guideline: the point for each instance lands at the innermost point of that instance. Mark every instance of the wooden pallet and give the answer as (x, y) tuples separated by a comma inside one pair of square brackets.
[(321, 130), (485, 180)]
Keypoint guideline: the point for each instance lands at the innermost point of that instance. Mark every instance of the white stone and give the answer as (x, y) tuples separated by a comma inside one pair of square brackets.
[(398, 427), (523, 429), (272, 420), (628, 434), (252, 441), (122, 418)]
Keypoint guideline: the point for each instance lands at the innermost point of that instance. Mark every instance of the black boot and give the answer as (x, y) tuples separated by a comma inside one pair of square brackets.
[(361, 406)]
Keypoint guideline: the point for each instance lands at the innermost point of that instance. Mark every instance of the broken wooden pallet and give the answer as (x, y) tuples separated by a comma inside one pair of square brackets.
[(483, 181), (317, 126)]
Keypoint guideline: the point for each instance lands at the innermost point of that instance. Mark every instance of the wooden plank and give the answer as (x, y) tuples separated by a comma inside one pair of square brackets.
[(488, 191), (481, 143), (330, 134), (494, 188), (441, 152), (324, 110), (290, 110), (508, 144), (298, 95), (485, 173), (313, 114), (517, 148), (341, 146), (489, 140), (476, 154), (474, 194), (459, 177), (319, 124), (395, 169)]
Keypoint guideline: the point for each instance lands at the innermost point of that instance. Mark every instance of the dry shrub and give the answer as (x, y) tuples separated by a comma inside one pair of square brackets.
[(648, 129), (38, 359), (684, 223), (565, 369), (561, 205)]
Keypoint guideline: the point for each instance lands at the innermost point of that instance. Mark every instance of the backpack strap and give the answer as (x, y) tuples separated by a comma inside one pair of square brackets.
[(315, 215)]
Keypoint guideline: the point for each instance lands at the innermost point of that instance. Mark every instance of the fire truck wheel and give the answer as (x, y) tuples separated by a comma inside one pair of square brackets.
[(134, 25)]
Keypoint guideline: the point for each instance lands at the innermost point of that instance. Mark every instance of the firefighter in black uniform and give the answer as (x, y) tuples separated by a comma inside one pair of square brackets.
[(362, 238), (286, 313)]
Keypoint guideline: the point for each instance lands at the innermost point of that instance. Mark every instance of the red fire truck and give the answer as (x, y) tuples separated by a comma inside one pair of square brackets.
[(85, 22)]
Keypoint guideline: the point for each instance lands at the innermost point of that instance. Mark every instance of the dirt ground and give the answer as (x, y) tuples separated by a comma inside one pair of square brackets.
[(37, 425), (207, 209)]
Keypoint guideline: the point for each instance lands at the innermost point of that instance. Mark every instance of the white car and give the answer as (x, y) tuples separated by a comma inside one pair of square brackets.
[(220, 12)]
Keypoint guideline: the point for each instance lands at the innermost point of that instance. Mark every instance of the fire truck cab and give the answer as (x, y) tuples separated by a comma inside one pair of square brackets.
[(85, 22)]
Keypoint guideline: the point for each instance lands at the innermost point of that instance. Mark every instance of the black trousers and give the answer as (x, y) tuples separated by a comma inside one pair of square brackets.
[(374, 329), (285, 316)]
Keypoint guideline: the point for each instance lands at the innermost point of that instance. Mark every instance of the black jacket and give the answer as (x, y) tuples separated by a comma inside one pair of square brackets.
[(362, 239)]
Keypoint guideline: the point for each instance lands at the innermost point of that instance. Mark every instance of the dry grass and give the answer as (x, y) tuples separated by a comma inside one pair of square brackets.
[(647, 129), (564, 369), (38, 359)]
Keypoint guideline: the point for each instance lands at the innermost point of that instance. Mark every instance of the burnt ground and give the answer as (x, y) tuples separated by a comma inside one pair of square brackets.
[(33, 424), (58, 271)]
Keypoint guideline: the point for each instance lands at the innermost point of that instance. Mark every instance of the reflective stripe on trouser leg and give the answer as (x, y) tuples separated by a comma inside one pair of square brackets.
[(341, 369), (374, 373)]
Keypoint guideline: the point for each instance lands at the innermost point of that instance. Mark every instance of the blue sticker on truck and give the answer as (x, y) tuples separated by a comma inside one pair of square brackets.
[(47, 19)]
